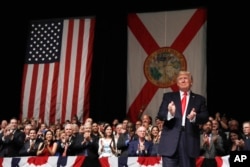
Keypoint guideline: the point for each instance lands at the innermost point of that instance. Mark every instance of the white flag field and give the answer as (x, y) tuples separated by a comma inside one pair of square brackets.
[(159, 45)]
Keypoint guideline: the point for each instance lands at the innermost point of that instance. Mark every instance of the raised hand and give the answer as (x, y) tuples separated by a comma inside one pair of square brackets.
[(171, 108), (192, 114)]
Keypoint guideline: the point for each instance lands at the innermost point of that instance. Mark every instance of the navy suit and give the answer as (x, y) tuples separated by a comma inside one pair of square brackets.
[(247, 144), (173, 132), (133, 148), (89, 149), (123, 143), (10, 147), (71, 149), (25, 151)]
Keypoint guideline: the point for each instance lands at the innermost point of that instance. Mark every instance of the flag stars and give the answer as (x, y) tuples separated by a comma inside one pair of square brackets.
[(45, 42)]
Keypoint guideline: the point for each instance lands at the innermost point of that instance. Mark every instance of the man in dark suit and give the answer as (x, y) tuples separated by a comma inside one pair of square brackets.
[(87, 145), (30, 146), (246, 131), (66, 144), (11, 140), (140, 146), (180, 138), (125, 138)]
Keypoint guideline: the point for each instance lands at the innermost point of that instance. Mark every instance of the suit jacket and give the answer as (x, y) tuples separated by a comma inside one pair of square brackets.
[(213, 149), (26, 151), (89, 149), (172, 128), (123, 143), (247, 144), (71, 148), (133, 148), (2, 149), (11, 147)]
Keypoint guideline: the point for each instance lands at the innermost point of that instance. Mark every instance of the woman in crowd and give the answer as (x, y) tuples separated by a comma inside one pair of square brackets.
[(235, 138), (155, 138), (106, 144), (49, 146)]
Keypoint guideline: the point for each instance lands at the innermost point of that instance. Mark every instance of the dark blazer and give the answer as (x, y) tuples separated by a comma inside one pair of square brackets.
[(11, 147), (172, 128), (89, 149), (247, 144), (133, 148), (71, 148), (2, 149), (25, 151), (123, 143)]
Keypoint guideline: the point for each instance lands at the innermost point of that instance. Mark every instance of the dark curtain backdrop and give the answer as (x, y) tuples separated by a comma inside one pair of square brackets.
[(227, 54)]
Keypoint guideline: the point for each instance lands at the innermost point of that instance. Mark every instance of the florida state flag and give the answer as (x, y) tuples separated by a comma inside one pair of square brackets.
[(160, 44)]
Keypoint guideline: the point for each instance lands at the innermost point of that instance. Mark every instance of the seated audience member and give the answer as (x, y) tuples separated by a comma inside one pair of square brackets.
[(125, 138), (30, 146), (11, 139), (4, 123), (155, 138), (124, 125), (88, 121), (140, 146), (159, 123), (138, 123), (106, 144), (222, 120), (87, 143), (95, 130), (49, 146), (234, 141), (246, 131), (26, 130), (66, 145), (57, 135), (101, 126), (147, 123), (117, 133), (75, 129), (233, 124), (114, 123), (211, 145), (216, 129)]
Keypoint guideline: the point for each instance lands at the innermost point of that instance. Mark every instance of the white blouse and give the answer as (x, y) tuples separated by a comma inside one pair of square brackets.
[(104, 149)]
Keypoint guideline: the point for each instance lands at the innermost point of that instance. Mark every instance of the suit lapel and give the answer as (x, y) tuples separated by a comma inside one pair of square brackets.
[(190, 102), (177, 101)]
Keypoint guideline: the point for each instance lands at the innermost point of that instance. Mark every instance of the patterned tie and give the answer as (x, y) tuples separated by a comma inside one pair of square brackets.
[(183, 102)]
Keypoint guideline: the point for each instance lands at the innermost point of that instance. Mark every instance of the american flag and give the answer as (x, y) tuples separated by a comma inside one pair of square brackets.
[(57, 69)]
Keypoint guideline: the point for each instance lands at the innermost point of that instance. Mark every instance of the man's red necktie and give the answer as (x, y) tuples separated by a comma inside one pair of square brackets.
[(183, 102)]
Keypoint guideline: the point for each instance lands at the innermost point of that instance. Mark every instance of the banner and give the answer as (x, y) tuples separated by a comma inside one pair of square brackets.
[(43, 161), (78, 161)]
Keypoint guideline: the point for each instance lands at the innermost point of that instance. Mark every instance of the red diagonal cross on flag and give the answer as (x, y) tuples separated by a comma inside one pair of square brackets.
[(149, 44)]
